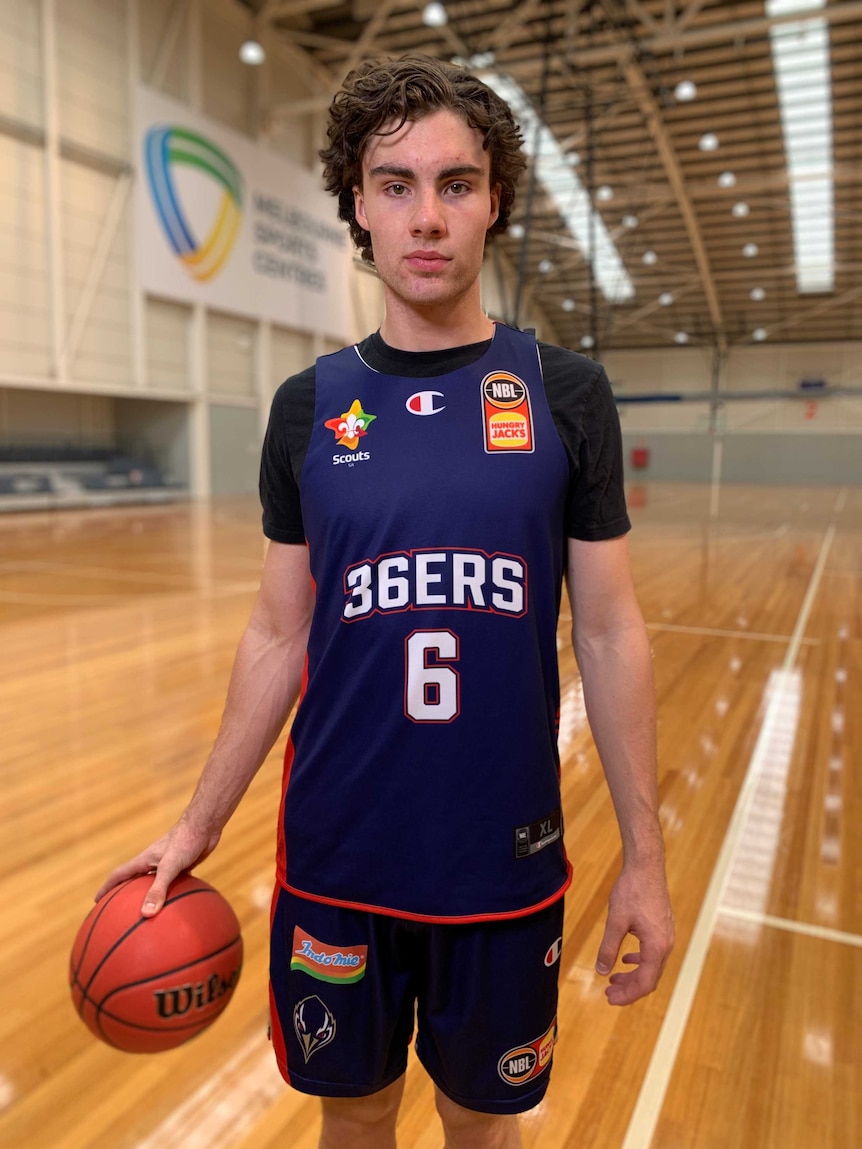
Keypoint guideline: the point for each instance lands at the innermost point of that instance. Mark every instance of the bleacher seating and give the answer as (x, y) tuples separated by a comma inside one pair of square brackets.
[(47, 476)]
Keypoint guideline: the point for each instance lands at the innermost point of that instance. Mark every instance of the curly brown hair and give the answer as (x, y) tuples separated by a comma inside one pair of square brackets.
[(385, 90)]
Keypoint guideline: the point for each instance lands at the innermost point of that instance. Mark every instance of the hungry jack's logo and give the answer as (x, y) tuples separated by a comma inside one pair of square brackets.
[(351, 426), (506, 414)]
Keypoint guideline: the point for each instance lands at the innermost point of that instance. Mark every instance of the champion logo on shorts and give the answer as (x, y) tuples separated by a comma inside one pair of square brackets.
[(314, 1024), (526, 1062), (338, 964), (554, 951)]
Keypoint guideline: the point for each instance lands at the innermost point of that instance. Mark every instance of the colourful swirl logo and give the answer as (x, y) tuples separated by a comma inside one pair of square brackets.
[(166, 148)]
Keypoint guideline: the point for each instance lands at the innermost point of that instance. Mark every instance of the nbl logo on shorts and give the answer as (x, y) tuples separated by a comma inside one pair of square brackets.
[(526, 1062)]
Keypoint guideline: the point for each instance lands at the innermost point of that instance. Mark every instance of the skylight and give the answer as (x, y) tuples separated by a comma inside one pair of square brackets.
[(570, 197), (800, 55)]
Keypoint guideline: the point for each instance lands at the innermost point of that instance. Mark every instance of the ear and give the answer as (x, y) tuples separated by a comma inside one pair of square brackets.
[(495, 206), (359, 208)]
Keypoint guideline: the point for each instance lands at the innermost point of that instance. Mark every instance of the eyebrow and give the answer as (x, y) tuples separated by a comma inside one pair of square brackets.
[(408, 174)]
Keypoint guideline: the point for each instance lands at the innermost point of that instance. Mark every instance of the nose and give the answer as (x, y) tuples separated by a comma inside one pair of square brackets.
[(428, 217)]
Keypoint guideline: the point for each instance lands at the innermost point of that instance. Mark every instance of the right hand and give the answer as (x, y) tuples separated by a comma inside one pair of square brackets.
[(178, 850)]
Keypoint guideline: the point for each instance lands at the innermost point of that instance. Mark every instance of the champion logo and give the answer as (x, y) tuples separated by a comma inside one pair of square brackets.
[(424, 403), (554, 951)]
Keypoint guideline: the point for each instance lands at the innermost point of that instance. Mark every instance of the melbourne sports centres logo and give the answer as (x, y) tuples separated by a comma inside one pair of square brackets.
[(167, 148)]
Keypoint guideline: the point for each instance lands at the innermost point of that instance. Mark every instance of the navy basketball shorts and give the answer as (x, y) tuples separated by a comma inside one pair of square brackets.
[(345, 986)]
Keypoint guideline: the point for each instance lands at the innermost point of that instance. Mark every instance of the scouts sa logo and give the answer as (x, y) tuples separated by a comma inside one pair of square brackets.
[(351, 426), (506, 414)]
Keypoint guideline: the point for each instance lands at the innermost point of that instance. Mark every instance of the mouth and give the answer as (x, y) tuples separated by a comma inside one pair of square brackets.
[(426, 260)]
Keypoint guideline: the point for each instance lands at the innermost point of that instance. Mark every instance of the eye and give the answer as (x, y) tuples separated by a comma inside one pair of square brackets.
[(396, 189), (459, 188)]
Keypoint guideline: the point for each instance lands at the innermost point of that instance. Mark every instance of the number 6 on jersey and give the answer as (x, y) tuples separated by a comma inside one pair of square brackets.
[(432, 689)]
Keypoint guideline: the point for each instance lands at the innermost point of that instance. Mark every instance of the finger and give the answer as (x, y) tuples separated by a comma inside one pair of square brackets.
[(615, 930), (168, 869), (632, 959), (625, 988), (122, 873)]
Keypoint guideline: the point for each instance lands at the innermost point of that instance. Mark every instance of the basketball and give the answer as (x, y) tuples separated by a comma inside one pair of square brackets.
[(148, 984)]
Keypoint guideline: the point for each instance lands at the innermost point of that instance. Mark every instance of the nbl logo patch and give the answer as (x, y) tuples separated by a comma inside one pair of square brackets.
[(506, 415), (527, 1062)]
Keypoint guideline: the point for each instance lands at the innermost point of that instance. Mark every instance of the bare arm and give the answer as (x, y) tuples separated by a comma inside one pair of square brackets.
[(613, 653), (264, 684)]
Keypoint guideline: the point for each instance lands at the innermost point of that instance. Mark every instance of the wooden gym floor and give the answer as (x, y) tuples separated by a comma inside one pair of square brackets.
[(117, 630)]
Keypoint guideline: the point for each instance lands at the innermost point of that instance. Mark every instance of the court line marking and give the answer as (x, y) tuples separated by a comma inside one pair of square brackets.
[(824, 933), (719, 633), (840, 501), (648, 1106)]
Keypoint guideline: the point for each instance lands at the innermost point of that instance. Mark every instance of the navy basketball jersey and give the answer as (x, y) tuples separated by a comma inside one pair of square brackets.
[(422, 774)]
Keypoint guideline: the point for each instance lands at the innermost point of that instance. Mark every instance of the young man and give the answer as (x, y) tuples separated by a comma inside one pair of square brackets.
[(424, 493)]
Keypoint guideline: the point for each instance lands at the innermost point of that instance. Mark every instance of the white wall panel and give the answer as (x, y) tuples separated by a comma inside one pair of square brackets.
[(228, 84), (104, 349), (292, 352), (25, 323), (92, 74), (167, 341), (159, 29), (44, 418), (20, 62), (230, 355)]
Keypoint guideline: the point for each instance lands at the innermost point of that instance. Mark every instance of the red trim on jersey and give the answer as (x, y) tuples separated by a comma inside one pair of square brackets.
[(275, 1031), (464, 919)]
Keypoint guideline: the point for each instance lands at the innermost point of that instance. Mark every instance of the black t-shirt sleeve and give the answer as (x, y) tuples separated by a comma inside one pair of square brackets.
[(284, 449), (585, 415)]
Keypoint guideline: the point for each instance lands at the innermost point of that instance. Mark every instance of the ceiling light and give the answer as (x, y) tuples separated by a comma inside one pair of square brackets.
[(516, 231), (434, 15), (758, 294), (750, 250), (563, 187), (666, 298), (759, 333), (800, 58), (605, 193), (740, 210), (545, 266), (252, 53), (685, 91), (708, 142), (681, 337), (630, 221), (649, 257), (727, 180), (587, 341), (568, 305)]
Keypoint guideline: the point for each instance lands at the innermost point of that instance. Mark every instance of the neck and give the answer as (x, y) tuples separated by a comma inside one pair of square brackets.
[(436, 327)]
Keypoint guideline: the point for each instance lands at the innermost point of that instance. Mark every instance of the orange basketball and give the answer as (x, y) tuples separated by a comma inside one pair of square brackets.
[(148, 984)]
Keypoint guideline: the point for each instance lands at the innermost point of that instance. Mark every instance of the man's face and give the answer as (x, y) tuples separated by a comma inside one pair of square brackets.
[(427, 202)]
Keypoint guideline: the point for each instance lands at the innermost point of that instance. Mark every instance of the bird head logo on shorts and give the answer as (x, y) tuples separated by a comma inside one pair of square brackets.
[(314, 1024)]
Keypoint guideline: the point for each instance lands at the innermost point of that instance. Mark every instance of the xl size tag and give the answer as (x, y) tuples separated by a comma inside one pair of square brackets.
[(530, 839)]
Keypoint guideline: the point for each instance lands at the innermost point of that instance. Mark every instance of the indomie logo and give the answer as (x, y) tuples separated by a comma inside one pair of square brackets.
[(178, 1000), (344, 964)]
